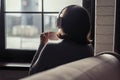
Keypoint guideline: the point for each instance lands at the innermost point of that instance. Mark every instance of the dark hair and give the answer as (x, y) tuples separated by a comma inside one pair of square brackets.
[(75, 23)]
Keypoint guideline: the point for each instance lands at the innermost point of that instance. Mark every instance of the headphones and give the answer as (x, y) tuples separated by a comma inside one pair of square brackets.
[(59, 22), (60, 19)]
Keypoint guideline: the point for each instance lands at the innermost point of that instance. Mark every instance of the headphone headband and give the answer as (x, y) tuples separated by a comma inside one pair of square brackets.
[(59, 20)]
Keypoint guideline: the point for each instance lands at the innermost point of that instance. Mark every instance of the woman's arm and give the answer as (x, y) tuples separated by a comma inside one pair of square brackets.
[(43, 41), (43, 62), (37, 54)]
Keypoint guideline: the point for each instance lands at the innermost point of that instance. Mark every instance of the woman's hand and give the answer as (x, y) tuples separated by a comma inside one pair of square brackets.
[(48, 35), (44, 37)]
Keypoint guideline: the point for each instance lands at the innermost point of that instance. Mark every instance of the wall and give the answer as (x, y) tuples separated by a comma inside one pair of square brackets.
[(104, 25), (12, 74)]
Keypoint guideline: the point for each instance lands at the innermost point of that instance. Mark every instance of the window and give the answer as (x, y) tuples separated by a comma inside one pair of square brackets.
[(24, 20)]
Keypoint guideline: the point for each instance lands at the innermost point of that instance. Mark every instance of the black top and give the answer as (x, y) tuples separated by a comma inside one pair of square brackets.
[(55, 54)]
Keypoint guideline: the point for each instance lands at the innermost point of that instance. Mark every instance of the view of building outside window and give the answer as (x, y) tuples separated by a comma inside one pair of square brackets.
[(23, 20)]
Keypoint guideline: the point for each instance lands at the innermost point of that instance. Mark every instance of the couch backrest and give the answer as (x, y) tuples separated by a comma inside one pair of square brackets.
[(105, 66)]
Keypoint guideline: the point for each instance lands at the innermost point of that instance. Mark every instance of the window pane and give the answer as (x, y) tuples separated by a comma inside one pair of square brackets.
[(22, 30), (57, 5), (22, 5), (50, 22)]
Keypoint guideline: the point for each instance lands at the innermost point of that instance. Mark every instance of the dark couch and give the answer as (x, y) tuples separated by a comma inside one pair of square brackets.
[(105, 66)]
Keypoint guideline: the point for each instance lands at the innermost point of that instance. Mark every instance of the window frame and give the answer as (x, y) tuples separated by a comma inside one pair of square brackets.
[(16, 55), (117, 28)]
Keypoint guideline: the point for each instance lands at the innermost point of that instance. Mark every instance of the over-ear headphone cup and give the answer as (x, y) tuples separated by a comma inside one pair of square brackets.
[(59, 22)]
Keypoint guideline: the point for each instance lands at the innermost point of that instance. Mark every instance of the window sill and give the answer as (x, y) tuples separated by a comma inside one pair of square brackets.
[(14, 66)]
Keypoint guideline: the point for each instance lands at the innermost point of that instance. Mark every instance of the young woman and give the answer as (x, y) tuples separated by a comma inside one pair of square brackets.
[(74, 27)]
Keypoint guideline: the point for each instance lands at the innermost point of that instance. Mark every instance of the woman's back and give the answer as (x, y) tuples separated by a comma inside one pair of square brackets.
[(69, 48), (55, 54)]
